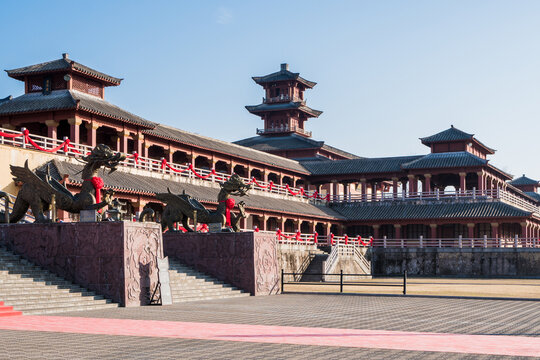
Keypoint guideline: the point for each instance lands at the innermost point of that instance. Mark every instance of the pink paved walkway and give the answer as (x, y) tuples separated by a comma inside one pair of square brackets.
[(376, 339)]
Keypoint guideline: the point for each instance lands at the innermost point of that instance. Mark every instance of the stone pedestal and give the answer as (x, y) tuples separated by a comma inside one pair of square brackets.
[(246, 260), (115, 259)]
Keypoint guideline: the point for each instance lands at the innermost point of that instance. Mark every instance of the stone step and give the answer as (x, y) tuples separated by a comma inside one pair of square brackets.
[(42, 311), (47, 295), (177, 299), (33, 290), (18, 303), (188, 284)]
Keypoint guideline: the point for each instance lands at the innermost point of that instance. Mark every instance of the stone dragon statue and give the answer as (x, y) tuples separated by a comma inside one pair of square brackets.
[(180, 208), (39, 189)]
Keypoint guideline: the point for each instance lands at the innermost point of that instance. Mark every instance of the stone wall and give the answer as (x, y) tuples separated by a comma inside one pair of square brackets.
[(473, 262), (114, 259), (294, 257), (246, 260)]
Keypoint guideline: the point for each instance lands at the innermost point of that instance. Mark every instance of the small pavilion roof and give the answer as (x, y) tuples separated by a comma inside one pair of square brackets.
[(283, 75), (523, 180), (62, 65), (453, 134), (533, 195), (301, 106), (445, 160), (69, 100), (442, 210)]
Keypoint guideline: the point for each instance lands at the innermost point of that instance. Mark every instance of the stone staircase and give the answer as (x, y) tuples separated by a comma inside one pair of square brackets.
[(29, 289), (190, 285), (316, 266)]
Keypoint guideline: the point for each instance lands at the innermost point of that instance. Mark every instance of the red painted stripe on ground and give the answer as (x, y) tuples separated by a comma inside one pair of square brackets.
[(375, 339)]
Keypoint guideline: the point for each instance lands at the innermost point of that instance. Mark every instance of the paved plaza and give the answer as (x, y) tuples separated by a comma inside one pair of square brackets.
[(290, 326)]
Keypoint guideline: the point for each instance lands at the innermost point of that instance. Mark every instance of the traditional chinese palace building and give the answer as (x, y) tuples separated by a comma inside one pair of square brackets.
[(299, 183)]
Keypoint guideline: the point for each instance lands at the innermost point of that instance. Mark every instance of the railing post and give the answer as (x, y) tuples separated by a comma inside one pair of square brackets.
[(500, 242), (405, 282), (460, 241), (440, 243), (384, 241), (23, 139), (282, 281), (402, 243), (421, 241), (474, 193), (341, 281), (485, 241), (437, 193), (516, 241)]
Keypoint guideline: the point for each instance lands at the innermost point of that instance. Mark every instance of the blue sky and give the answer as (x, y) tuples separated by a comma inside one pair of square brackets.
[(388, 72)]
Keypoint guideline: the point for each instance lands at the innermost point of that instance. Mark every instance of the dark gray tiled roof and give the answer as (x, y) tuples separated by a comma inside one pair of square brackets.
[(185, 137), (451, 134), (289, 142), (66, 100), (524, 181), (445, 160), (533, 195), (254, 109), (99, 106), (59, 65), (358, 166), (443, 210), (122, 181), (283, 75)]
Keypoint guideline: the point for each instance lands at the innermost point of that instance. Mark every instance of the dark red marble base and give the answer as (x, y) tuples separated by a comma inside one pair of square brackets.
[(114, 259), (246, 260)]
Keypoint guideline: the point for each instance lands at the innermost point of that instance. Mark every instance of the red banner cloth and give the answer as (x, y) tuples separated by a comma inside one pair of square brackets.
[(98, 184)]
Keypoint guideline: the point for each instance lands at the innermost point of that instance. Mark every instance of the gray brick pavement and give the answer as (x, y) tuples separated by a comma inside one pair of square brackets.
[(336, 311)]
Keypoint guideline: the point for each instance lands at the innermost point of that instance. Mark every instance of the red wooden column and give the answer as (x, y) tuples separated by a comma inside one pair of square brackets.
[(52, 126), (495, 230), (470, 228), (413, 184), (124, 136), (91, 139), (139, 143), (74, 130), (146, 146), (376, 231), (364, 189), (264, 221), (433, 232), (462, 182), (481, 183), (427, 183), (397, 231), (395, 187)]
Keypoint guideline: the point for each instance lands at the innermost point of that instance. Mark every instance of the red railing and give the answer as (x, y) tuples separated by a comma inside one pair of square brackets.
[(65, 147)]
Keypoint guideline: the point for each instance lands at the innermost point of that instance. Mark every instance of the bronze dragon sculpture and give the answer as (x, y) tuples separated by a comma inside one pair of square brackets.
[(37, 192), (180, 208)]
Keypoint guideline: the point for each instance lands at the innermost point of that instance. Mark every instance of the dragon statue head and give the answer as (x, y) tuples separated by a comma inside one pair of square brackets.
[(236, 186), (104, 156)]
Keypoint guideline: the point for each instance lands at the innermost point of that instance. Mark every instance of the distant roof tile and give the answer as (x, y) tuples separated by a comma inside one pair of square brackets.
[(185, 137), (445, 160), (254, 109), (123, 181), (65, 100), (524, 181), (289, 142), (358, 166), (59, 65), (451, 134), (442, 210), (283, 75)]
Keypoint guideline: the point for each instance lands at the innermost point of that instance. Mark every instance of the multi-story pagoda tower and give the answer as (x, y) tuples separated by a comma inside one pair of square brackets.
[(283, 109)]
